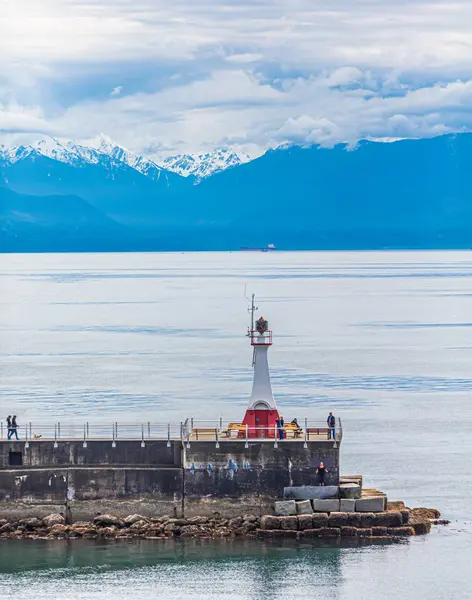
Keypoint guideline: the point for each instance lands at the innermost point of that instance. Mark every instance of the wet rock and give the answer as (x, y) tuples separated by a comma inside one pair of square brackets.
[(270, 522), (420, 527), (364, 532), (58, 530), (305, 522), (330, 532), (54, 519), (134, 519), (3, 522), (441, 522), (425, 513), (236, 523), (379, 531), (405, 513), (106, 521), (339, 519), (367, 520), (320, 520), (6, 528), (396, 505), (139, 525), (32, 523), (348, 531)]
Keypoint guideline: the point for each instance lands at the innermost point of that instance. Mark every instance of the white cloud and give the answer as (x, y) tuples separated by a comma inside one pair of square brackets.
[(201, 73)]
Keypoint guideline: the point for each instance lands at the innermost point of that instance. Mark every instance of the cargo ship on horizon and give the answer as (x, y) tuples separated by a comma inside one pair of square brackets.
[(267, 248)]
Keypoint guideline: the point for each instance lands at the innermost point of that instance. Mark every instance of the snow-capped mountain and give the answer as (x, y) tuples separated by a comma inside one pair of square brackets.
[(205, 164)]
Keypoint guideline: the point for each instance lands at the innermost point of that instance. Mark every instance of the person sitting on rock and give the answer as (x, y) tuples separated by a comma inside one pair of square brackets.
[(321, 471)]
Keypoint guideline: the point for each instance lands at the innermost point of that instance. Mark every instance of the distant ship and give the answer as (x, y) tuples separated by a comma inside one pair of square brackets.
[(266, 249)]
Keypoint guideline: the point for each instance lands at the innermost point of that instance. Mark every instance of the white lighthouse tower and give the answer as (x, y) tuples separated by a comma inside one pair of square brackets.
[(262, 411)]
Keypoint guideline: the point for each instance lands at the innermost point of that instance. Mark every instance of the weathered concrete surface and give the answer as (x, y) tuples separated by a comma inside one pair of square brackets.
[(42, 453), (304, 507), (310, 492), (349, 490), (326, 505), (347, 505), (373, 504), (285, 508)]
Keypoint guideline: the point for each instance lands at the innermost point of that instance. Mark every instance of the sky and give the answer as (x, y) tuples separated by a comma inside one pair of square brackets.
[(165, 77)]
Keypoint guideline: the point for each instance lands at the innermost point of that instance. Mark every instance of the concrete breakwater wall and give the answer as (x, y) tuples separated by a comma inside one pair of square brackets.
[(157, 478)]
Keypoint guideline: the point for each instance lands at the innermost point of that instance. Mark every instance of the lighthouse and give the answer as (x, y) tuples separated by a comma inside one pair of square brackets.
[(262, 411)]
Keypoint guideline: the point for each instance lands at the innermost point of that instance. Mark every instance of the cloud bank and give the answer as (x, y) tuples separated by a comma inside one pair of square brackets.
[(183, 76)]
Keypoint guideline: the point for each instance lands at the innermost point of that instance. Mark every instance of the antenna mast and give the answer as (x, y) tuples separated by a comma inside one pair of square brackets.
[(252, 309)]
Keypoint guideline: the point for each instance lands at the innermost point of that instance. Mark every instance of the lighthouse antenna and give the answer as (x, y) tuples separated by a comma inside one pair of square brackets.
[(251, 309)]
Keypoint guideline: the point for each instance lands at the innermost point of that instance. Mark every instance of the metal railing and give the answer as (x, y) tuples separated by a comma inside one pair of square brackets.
[(220, 430)]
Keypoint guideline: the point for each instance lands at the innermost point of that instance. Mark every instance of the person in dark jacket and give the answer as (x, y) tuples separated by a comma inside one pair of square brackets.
[(14, 428), (331, 420), (321, 472), (9, 426), (280, 427)]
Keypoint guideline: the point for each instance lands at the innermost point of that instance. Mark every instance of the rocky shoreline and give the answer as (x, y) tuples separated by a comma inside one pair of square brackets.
[(397, 521)]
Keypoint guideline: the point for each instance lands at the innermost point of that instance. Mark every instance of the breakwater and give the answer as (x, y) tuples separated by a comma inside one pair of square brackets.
[(396, 522)]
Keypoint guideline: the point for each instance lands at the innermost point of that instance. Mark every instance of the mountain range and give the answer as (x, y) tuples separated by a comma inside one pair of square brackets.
[(405, 194)]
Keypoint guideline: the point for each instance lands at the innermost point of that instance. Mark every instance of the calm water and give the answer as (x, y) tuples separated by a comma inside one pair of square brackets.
[(382, 339)]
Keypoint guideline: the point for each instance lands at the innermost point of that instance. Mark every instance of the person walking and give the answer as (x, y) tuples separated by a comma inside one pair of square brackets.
[(14, 428), (321, 472), (9, 426), (331, 420)]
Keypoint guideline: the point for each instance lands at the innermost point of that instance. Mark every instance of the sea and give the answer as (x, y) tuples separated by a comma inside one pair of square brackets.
[(381, 339)]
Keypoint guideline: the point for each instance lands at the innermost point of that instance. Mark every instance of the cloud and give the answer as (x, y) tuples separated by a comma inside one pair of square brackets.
[(202, 73)]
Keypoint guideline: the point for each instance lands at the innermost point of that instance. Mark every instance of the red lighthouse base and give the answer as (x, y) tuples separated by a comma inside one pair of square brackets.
[(260, 423)]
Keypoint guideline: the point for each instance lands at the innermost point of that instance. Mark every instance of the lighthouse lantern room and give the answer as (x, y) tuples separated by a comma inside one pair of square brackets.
[(261, 412)]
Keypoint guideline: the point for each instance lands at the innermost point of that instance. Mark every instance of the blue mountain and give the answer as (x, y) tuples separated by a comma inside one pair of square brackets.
[(404, 194)]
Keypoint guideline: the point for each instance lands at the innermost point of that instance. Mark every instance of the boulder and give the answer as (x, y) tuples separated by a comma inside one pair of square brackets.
[(54, 519), (7, 528), (289, 523), (311, 492), (58, 529), (370, 504), (347, 505), (134, 519), (401, 531), (349, 490), (348, 531), (320, 520), (106, 521), (284, 508), (32, 523), (304, 507), (339, 519), (326, 505), (405, 515), (270, 522), (425, 513), (139, 525), (420, 527), (305, 522), (389, 519)]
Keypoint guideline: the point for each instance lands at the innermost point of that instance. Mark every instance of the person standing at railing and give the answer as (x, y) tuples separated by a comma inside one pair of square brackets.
[(14, 428), (331, 420), (280, 427), (9, 426)]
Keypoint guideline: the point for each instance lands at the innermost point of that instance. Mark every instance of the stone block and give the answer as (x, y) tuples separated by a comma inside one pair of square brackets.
[(367, 519), (405, 516), (339, 519), (304, 507), (364, 532), (285, 533), (389, 519), (310, 533), (370, 504), (347, 505), (305, 522), (379, 531), (289, 523), (401, 531), (270, 522), (329, 532), (348, 531), (311, 492), (349, 490), (326, 505), (357, 479), (421, 527), (320, 520), (285, 508)]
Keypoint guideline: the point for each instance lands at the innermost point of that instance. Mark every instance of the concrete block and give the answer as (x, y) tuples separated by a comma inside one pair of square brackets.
[(326, 505), (349, 490), (284, 508), (379, 531), (401, 531), (405, 516), (320, 520), (330, 532), (339, 519), (304, 507), (347, 505), (367, 519), (270, 522), (370, 504), (289, 523), (348, 531), (305, 522), (357, 479), (364, 532), (389, 519), (311, 492)]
